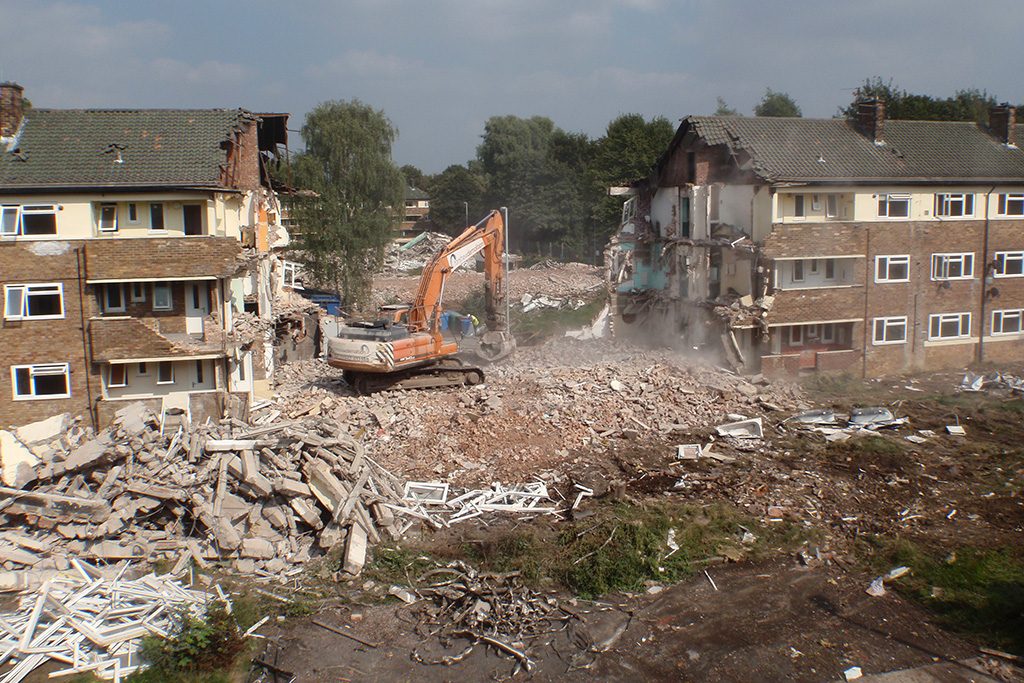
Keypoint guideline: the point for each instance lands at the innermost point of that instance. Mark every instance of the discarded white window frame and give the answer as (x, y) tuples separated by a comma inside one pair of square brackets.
[(291, 273), (689, 451), (430, 493), (43, 301)]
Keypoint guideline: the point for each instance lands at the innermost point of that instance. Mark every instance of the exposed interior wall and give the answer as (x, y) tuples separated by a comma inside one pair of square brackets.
[(143, 382)]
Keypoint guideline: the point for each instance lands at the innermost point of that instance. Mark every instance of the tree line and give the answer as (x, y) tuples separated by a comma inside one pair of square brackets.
[(553, 182)]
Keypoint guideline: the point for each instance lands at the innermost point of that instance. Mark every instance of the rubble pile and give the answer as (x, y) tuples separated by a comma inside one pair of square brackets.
[(538, 411), (414, 254), (997, 381), (91, 621), (564, 282)]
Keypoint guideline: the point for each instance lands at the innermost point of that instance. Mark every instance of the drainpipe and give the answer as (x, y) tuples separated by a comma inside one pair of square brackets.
[(984, 280), (868, 267), (85, 344)]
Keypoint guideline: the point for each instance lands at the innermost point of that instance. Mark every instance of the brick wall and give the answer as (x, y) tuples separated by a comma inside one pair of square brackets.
[(30, 342), (161, 257), (812, 305), (242, 170)]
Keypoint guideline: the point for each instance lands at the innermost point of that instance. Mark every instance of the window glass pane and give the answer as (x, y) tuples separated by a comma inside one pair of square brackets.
[(14, 302), (156, 216), (38, 224), (50, 385), (115, 300), (899, 208), (133, 212), (118, 376), (22, 382), (44, 303), (9, 220), (165, 372)]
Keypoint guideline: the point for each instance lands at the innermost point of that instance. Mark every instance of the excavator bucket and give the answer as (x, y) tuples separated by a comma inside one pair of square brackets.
[(496, 345)]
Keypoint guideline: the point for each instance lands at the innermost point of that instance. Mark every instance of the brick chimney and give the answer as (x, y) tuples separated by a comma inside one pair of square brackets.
[(10, 108), (871, 118), (1002, 121)]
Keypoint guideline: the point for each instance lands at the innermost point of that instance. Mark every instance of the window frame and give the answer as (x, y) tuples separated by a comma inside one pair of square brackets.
[(133, 213), (137, 297), (160, 372), (163, 217), (37, 210), (799, 206), (110, 376), (886, 322), (1001, 257), (26, 294), (944, 202), (107, 289), (945, 259), (41, 370), (900, 258), (295, 269), (1018, 313), (792, 271), (890, 198), (796, 342), (829, 338), (6, 209), (1004, 203), (943, 318), (831, 205), (103, 207), (170, 296), (830, 269)]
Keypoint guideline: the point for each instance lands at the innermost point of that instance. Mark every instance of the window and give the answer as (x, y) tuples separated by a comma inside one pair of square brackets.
[(117, 375), (161, 296), (1009, 264), (165, 372), (41, 381), (952, 266), (142, 370), (831, 205), (199, 372), (954, 204), (108, 217), (815, 202), (890, 330), (949, 326), (830, 269), (133, 213), (892, 268), (29, 221), (156, 216), (798, 203), (796, 335), (894, 205), (828, 333), (1008, 321), (290, 275), (798, 271), (814, 266), (113, 298), (192, 218), (1011, 204), (138, 290), (34, 302), (241, 369)]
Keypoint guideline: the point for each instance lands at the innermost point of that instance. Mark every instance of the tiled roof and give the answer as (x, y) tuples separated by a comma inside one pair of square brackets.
[(157, 148), (415, 193), (798, 149)]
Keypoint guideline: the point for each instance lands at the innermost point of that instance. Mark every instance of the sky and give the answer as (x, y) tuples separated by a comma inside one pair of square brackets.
[(440, 69)]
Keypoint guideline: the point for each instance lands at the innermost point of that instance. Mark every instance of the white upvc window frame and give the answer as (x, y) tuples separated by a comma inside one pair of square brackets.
[(24, 294), (290, 270), (889, 199), (889, 259), (941, 266), (947, 202), (830, 269), (10, 220), (792, 271), (1003, 257), (123, 382), (937, 320), (1000, 317), (832, 205), (163, 286), (137, 292), (160, 372), (107, 289), (102, 208), (793, 341), (132, 211), (883, 325), (1005, 201), (15, 227), (154, 207), (827, 333), (41, 370), (799, 206)]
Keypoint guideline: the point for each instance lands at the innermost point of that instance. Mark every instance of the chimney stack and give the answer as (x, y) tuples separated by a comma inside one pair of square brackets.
[(871, 118), (1002, 122), (11, 108)]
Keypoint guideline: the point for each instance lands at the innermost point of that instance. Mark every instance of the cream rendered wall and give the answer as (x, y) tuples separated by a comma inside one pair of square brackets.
[(145, 386), (734, 206), (662, 205), (861, 203)]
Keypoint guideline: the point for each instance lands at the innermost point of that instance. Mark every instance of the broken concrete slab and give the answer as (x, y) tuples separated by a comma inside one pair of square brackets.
[(17, 461), (290, 488), (257, 548), (355, 550), (54, 506), (43, 430)]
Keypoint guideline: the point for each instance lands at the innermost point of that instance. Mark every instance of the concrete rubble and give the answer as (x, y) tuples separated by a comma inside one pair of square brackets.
[(91, 620)]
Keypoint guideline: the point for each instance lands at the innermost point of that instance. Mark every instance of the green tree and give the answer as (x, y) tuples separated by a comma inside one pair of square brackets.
[(449, 189), (776, 104), (724, 109), (414, 177), (346, 225), (965, 105), (627, 152)]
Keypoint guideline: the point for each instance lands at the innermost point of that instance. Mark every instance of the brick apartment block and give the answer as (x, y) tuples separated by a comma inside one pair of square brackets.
[(867, 246), (129, 241)]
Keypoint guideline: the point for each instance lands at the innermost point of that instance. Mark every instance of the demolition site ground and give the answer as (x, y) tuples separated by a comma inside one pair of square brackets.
[(740, 559)]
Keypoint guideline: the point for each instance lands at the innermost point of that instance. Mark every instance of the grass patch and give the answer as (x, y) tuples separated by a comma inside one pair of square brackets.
[(976, 592), (201, 649), (398, 565)]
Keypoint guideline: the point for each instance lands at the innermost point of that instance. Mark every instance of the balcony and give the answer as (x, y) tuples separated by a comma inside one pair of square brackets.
[(124, 338)]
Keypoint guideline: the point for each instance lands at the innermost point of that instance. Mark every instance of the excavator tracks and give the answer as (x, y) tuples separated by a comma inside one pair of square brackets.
[(449, 372)]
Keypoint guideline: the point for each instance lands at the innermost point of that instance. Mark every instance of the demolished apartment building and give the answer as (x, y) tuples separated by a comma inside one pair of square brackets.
[(870, 246), (129, 240)]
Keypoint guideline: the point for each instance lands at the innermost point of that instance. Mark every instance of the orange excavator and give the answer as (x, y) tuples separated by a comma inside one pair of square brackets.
[(406, 349)]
